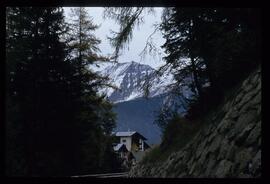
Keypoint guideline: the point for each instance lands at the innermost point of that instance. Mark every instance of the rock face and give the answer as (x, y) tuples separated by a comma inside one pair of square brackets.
[(230, 147)]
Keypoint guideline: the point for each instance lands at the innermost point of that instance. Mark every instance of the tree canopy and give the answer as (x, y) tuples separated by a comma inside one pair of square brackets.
[(57, 123)]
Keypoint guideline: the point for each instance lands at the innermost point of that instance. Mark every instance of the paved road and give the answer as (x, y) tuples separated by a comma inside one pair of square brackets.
[(107, 175)]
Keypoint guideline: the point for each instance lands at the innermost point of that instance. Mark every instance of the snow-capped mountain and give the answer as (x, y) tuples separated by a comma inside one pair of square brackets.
[(134, 112), (129, 79)]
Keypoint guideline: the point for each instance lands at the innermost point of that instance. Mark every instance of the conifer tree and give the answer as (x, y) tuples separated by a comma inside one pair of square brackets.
[(215, 40), (52, 112), (218, 42), (95, 109)]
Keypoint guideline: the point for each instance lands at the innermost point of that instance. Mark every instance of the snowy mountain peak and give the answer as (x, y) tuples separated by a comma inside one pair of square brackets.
[(129, 78)]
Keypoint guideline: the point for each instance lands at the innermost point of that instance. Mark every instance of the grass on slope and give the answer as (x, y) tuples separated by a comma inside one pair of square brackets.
[(177, 134)]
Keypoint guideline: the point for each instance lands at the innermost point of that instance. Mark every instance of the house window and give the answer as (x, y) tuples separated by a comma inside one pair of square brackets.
[(124, 140)]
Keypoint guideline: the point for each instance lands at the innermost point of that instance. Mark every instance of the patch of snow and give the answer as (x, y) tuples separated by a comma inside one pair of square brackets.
[(133, 95)]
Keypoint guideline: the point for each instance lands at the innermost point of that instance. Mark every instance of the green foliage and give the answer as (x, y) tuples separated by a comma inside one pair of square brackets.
[(152, 156), (177, 134), (127, 18), (164, 116), (219, 42), (209, 100), (57, 124), (82, 41)]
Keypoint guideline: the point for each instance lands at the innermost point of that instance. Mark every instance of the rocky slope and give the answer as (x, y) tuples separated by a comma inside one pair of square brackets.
[(229, 146)]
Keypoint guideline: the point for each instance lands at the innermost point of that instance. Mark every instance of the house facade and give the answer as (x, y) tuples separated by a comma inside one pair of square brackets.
[(133, 141), (121, 149), (130, 146)]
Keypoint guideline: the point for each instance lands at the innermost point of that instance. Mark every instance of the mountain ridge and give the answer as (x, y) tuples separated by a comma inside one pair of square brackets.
[(129, 78)]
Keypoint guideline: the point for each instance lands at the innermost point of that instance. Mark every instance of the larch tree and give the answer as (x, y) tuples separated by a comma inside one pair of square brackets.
[(40, 88), (96, 110), (55, 118)]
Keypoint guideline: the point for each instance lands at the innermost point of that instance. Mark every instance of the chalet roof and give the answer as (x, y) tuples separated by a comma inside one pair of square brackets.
[(128, 134), (120, 147), (123, 134)]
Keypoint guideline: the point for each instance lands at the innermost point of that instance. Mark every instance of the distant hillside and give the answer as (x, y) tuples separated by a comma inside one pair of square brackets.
[(139, 115)]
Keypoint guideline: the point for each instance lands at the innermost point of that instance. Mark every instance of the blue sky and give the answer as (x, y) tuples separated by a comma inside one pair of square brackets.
[(140, 34)]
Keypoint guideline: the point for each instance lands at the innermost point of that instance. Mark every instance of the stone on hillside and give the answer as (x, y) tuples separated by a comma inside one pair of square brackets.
[(258, 87), (208, 131), (245, 120), (254, 135), (254, 104), (227, 106), (211, 137), (248, 87), (215, 144), (194, 170), (198, 169), (224, 147), (230, 153), (180, 155), (190, 162), (204, 154), (241, 138), (255, 168), (181, 167), (152, 171), (231, 134), (245, 83), (232, 114), (187, 156), (257, 99), (255, 79), (225, 126), (238, 97), (182, 175), (172, 156), (243, 175), (246, 98), (210, 163), (200, 148), (242, 158), (163, 174), (259, 110), (224, 169)]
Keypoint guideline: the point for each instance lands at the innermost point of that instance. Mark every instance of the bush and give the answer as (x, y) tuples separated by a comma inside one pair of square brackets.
[(199, 106), (178, 132), (152, 156)]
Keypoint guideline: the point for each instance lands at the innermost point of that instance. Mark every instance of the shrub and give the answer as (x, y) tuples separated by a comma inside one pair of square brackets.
[(178, 132), (152, 156)]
